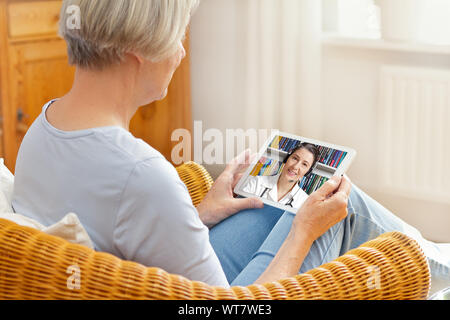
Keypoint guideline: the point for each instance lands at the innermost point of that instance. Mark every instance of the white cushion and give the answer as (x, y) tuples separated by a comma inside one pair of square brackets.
[(6, 188), (68, 228), (438, 284)]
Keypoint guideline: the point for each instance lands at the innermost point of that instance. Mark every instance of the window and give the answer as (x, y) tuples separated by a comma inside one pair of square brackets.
[(351, 18), (416, 21)]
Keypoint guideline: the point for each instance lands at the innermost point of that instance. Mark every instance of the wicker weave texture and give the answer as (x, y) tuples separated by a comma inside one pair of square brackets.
[(197, 180), (34, 265)]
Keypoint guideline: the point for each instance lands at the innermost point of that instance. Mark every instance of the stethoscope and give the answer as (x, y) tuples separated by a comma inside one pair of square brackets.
[(291, 200)]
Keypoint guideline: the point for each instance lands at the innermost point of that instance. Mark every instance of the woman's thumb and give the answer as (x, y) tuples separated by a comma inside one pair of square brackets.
[(329, 187), (247, 203)]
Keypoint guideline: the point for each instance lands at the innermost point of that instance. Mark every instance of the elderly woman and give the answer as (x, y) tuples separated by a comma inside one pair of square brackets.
[(79, 156)]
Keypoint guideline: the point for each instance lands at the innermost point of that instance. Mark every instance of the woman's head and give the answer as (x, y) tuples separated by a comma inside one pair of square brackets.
[(300, 162), (108, 30)]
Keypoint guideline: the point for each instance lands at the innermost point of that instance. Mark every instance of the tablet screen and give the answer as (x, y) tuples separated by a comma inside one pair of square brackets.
[(289, 168)]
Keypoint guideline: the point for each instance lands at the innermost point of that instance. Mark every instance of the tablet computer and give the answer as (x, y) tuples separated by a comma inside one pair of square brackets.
[(289, 168)]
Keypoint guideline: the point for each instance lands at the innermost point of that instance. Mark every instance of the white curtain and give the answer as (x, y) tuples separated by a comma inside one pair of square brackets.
[(256, 64), (283, 61)]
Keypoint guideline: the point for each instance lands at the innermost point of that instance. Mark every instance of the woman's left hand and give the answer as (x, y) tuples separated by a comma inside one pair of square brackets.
[(220, 202)]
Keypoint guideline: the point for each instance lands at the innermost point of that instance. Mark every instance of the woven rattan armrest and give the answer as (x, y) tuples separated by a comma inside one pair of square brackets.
[(34, 265)]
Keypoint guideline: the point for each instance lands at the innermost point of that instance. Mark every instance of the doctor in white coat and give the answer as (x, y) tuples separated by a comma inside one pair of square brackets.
[(284, 187)]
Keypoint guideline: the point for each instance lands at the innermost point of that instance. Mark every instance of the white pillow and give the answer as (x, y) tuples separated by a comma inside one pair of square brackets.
[(6, 187), (68, 228)]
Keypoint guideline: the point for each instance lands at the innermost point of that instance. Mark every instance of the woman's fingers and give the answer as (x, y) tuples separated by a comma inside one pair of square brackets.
[(329, 187), (234, 164), (345, 187), (338, 201), (335, 185), (324, 208), (246, 203), (237, 177), (241, 162)]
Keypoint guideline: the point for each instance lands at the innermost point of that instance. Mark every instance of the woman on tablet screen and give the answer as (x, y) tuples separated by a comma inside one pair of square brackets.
[(284, 187)]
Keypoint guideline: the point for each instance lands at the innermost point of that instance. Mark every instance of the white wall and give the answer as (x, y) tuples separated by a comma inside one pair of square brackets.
[(217, 50), (350, 96), (256, 64)]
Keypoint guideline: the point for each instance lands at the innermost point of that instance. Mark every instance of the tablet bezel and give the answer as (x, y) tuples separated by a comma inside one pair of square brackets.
[(343, 167)]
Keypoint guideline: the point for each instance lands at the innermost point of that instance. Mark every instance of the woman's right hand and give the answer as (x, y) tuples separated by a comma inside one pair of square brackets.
[(323, 208)]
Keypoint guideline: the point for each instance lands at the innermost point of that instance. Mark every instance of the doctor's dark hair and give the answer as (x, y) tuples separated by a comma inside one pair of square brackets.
[(311, 148)]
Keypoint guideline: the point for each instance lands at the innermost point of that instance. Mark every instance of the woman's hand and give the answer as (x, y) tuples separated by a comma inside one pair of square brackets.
[(323, 208), (220, 203)]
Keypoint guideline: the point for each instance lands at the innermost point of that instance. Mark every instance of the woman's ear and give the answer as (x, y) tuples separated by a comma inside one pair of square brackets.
[(136, 57), (140, 59)]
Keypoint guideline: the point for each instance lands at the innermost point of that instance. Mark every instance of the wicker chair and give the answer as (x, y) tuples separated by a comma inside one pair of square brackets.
[(34, 265)]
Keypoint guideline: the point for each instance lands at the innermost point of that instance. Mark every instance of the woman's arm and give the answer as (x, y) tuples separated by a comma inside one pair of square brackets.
[(156, 225), (323, 209), (289, 258)]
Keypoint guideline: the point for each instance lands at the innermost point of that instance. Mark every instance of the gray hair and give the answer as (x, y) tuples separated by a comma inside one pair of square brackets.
[(108, 29)]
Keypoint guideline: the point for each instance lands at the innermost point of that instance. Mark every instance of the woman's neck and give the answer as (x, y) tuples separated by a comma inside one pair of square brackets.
[(97, 99), (284, 187)]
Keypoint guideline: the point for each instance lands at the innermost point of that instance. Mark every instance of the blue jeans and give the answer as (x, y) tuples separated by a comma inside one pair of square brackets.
[(246, 242)]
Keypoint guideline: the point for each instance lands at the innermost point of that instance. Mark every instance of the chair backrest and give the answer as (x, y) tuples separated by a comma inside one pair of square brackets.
[(34, 265), (197, 180)]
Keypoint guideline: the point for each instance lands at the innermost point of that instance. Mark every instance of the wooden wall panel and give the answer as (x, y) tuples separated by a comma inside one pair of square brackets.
[(34, 70)]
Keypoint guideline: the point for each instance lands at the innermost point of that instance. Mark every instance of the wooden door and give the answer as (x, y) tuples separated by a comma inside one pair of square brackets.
[(38, 73), (34, 70)]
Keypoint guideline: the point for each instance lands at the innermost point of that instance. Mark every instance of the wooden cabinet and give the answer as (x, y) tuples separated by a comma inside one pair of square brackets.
[(34, 70)]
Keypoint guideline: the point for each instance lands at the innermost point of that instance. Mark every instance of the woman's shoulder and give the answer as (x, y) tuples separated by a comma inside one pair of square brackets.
[(124, 143)]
